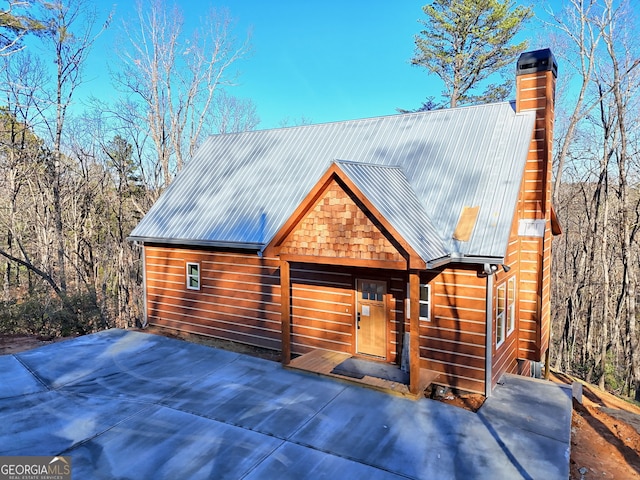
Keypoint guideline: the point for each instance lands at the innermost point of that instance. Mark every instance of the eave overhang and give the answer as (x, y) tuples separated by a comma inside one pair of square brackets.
[(466, 259), (257, 247)]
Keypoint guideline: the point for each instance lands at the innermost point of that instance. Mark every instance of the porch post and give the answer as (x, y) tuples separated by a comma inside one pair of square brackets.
[(414, 331), (285, 311)]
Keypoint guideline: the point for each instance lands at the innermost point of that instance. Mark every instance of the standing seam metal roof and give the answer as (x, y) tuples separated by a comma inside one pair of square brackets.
[(390, 192), (239, 189)]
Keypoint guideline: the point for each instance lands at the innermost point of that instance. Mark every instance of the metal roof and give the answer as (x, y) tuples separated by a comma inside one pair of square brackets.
[(239, 189), (391, 193)]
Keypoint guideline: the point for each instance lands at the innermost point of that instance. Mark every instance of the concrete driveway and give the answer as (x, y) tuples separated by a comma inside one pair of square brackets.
[(126, 404)]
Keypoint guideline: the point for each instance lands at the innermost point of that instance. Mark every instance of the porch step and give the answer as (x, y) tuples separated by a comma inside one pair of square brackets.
[(322, 362)]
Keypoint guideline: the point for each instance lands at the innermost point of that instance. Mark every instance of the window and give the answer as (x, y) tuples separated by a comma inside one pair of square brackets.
[(500, 314), (193, 276), (511, 299), (425, 302), (505, 310), (372, 291)]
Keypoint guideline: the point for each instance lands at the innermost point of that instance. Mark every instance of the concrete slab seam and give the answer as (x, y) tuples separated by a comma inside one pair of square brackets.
[(352, 459), (332, 453), (34, 374), (261, 461), (148, 403), (98, 434), (233, 424), (287, 440), (503, 446), (185, 385)]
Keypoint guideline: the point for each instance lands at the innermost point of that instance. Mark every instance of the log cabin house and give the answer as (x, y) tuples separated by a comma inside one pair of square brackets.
[(422, 236)]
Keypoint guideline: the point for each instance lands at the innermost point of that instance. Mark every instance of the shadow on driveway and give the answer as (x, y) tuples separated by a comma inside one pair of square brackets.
[(127, 404)]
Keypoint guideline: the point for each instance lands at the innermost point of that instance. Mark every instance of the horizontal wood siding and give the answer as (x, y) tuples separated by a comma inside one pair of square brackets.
[(397, 314), (536, 93), (529, 302), (545, 321), (535, 304), (322, 305), (239, 298), (453, 342), (505, 358)]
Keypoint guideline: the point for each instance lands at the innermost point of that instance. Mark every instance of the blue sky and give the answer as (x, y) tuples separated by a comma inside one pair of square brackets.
[(324, 61), (332, 60)]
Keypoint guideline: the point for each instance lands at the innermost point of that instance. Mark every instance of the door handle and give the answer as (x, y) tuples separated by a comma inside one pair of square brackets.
[(358, 320)]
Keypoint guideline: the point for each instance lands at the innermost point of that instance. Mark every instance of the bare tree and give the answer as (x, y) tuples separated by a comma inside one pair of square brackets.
[(70, 35), (596, 192), (580, 29), (232, 114), (174, 79), (19, 150), (42, 177), (294, 122), (624, 85)]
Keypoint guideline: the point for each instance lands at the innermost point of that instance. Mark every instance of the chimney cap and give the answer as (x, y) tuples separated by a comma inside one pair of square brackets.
[(537, 61)]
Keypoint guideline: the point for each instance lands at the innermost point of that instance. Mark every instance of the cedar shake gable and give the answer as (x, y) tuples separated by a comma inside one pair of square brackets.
[(340, 224)]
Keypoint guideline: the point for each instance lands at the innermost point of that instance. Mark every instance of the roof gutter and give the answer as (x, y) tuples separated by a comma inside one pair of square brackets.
[(198, 243), (459, 258)]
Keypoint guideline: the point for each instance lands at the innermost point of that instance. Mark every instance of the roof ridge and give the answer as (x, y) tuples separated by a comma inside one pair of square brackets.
[(364, 119), (340, 161)]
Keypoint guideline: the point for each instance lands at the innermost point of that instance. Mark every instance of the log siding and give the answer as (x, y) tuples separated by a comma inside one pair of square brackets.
[(238, 300), (536, 92), (454, 341)]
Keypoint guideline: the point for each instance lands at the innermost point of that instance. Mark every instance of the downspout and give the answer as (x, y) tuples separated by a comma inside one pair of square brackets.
[(489, 337), (145, 318)]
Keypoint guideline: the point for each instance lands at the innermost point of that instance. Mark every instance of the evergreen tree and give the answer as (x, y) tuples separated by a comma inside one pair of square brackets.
[(464, 42), (15, 23)]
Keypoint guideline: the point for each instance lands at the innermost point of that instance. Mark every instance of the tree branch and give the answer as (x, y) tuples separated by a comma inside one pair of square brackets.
[(41, 273)]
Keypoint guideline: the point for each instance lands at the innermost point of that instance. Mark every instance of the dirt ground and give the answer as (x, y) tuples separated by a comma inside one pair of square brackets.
[(605, 434), (468, 401), (10, 344)]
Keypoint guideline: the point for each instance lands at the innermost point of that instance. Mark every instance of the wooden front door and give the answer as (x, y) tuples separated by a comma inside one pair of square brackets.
[(371, 318)]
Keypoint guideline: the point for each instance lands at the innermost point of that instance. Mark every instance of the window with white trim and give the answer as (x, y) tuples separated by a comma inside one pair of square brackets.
[(425, 302), (501, 312), (193, 276), (511, 302)]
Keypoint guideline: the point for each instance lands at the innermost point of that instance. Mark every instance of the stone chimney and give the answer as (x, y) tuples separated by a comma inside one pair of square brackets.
[(535, 91)]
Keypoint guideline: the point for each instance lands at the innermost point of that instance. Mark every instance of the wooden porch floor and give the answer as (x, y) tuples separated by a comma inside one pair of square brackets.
[(322, 362)]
